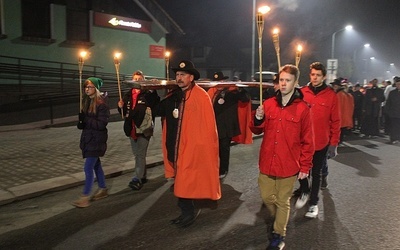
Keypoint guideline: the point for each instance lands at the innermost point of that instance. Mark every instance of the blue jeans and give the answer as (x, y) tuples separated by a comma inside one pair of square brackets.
[(93, 164), (139, 150)]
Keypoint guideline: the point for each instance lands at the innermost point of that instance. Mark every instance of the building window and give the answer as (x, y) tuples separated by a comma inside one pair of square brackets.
[(78, 21), (36, 22), (2, 31)]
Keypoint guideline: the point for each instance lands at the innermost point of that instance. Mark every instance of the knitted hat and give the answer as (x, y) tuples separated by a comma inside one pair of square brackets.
[(97, 82)]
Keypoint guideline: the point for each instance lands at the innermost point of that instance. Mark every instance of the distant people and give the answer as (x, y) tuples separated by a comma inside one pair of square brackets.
[(137, 107), (190, 143), (358, 97), (286, 150), (326, 124), (346, 104), (225, 102), (393, 110), (374, 96), (93, 121), (386, 92)]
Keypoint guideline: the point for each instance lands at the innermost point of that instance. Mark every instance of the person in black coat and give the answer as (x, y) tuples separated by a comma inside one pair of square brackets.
[(372, 108), (138, 108), (225, 102), (393, 110), (93, 120)]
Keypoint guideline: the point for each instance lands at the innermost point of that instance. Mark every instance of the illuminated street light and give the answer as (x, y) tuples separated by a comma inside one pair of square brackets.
[(260, 28), (348, 27)]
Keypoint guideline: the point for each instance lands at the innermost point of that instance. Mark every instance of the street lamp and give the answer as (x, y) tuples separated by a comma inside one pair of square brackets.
[(348, 27), (260, 28), (275, 40)]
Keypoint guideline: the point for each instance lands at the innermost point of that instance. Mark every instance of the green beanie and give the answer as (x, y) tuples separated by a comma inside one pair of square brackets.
[(96, 81)]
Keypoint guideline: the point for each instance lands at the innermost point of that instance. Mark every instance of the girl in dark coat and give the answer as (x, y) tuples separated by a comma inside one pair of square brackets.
[(93, 121)]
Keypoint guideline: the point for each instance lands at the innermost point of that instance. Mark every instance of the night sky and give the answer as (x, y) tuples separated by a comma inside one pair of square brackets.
[(226, 25)]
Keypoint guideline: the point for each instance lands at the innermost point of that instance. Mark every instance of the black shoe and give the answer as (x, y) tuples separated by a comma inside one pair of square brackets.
[(185, 220), (144, 180), (177, 220), (135, 184)]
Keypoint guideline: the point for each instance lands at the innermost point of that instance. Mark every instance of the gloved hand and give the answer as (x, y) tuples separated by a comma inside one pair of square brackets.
[(81, 122), (332, 151)]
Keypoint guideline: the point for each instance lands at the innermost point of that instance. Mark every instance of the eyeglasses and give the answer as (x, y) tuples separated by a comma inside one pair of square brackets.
[(89, 87)]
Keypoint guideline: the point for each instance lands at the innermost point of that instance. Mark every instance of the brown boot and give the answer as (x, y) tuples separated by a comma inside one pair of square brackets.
[(101, 193), (82, 202)]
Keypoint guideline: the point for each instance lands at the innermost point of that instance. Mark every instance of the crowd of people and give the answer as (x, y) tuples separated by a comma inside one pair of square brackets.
[(302, 128)]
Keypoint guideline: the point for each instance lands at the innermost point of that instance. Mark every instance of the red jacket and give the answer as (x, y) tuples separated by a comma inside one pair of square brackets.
[(288, 143), (325, 116)]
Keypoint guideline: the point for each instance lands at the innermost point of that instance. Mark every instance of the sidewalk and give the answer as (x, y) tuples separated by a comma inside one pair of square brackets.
[(34, 160)]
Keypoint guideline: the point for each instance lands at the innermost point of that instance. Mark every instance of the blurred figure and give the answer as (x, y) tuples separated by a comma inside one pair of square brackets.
[(137, 107), (93, 121), (225, 102), (372, 109), (393, 111), (346, 106), (386, 116), (358, 97), (286, 150)]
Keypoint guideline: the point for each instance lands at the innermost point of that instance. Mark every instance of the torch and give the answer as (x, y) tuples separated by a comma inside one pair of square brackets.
[(260, 29), (117, 55), (275, 39), (82, 56), (167, 55), (298, 54)]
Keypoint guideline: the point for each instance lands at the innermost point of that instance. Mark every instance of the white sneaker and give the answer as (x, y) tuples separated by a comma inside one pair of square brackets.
[(302, 200), (312, 212)]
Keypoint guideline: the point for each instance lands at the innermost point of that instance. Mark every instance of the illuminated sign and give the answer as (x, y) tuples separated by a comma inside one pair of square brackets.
[(156, 51), (118, 22)]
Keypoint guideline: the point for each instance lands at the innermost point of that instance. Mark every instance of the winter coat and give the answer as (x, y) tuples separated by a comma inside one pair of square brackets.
[(288, 143), (393, 104), (325, 115), (93, 142), (190, 144), (346, 104)]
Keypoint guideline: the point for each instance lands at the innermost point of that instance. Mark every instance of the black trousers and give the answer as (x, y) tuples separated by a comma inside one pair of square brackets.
[(224, 154), (186, 206), (318, 161)]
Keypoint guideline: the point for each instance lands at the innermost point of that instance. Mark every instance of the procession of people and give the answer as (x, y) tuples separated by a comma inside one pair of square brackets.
[(302, 128)]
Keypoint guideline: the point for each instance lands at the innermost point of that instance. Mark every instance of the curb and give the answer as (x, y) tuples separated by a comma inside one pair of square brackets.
[(35, 189)]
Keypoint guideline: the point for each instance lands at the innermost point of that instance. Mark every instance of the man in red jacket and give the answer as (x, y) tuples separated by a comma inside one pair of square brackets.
[(286, 150), (326, 123)]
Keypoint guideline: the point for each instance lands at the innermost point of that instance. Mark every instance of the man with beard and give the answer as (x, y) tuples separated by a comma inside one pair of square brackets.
[(190, 143)]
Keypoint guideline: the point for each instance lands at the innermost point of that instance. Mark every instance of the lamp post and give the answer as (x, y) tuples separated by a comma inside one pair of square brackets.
[(348, 27), (275, 40), (117, 63), (260, 28), (298, 54), (167, 55), (81, 60)]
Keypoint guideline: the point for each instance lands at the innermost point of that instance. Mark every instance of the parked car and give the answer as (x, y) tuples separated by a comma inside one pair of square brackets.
[(267, 77)]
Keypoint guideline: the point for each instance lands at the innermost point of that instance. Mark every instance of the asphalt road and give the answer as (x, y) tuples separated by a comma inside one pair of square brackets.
[(359, 210)]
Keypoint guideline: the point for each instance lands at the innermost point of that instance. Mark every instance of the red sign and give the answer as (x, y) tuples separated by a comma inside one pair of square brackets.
[(119, 22), (156, 51)]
